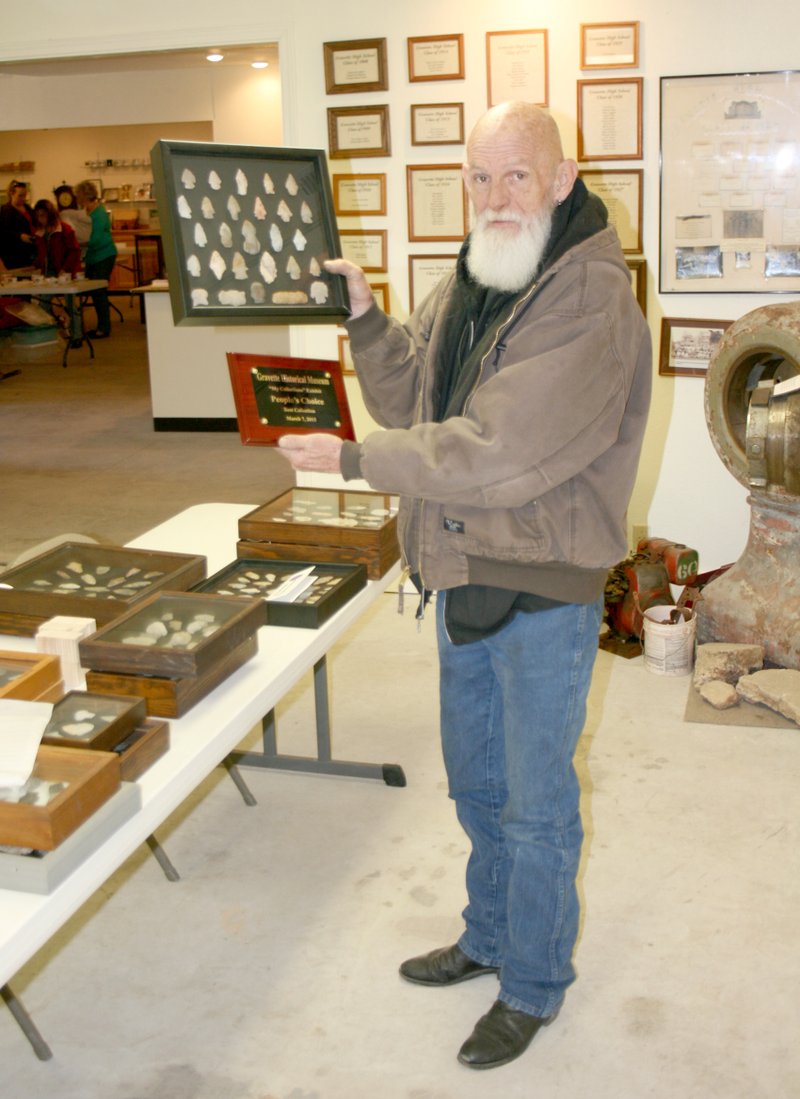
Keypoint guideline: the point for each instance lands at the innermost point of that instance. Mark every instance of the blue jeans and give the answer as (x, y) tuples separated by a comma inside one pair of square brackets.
[(512, 708)]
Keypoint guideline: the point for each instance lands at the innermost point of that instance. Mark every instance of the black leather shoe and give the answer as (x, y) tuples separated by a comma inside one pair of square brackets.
[(500, 1036), (448, 965)]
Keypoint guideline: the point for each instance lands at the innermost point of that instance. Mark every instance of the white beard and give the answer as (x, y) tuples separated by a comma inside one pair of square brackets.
[(504, 262)]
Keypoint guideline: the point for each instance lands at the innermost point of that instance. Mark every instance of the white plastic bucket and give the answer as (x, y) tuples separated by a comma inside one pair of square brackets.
[(668, 646)]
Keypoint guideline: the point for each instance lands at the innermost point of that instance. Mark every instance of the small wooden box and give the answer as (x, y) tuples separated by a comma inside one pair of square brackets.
[(89, 778), (88, 580), (142, 747), (33, 677), (93, 721), (334, 585), (310, 524), (167, 697), (158, 637)]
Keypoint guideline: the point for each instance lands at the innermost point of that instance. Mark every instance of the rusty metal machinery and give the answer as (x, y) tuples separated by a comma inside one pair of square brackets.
[(752, 404)]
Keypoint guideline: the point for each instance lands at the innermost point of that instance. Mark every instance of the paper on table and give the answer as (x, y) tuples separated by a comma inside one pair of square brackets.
[(22, 726), (293, 586)]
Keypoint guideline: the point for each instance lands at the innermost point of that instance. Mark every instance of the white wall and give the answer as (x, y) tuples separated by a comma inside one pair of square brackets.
[(683, 491)]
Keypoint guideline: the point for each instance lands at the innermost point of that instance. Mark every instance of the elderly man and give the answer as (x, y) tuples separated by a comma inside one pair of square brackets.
[(515, 401)]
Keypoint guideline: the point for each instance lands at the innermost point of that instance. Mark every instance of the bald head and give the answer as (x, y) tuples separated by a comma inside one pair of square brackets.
[(520, 121)]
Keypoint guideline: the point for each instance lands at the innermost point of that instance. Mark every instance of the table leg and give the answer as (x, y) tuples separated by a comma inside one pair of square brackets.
[(26, 1024), (163, 860), (390, 773)]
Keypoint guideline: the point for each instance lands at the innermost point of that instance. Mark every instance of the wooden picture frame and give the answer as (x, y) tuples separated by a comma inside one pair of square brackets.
[(424, 273), (380, 291), (687, 345), (621, 191), (359, 194), (277, 395), (358, 131), (516, 66), (437, 202), (358, 65), (247, 231), (637, 265), (437, 123), (609, 45), (345, 358), (436, 57), (365, 247), (610, 118)]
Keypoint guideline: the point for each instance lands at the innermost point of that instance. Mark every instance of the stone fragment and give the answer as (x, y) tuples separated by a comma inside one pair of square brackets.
[(719, 694), (726, 660), (778, 688)]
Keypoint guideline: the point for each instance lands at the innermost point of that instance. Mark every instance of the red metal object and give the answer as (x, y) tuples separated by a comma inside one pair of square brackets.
[(648, 573)]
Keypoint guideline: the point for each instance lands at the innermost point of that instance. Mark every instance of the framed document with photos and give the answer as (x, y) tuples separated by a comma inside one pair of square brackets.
[(610, 119), (516, 66), (437, 207)]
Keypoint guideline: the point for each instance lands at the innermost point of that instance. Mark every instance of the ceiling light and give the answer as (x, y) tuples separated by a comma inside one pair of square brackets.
[(215, 55), (259, 64)]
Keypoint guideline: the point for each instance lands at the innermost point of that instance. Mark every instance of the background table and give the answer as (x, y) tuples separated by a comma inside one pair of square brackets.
[(72, 293)]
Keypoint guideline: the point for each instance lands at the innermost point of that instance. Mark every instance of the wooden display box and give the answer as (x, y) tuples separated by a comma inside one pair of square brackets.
[(93, 721), (166, 697), (33, 677), (89, 779), (142, 747), (310, 524), (88, 580), (334, 585), (174, 635)]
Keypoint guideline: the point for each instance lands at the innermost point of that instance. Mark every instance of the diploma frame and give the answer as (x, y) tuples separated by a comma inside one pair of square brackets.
[(609, 45), (450, 221), (637, 265), (687, 346), (342, 145), (365, 247), (437, 123), (516, 66), (733, 229), (621, 191), (436, 57), (380, 291), (363, 60), (626, 117), (424, 272), (357, 194), (345, 356)]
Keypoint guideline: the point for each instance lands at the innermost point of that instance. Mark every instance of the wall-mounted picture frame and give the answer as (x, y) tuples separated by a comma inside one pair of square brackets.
[(516, 66), (637, 265), (621, 191), (248, 229), (437, 202), (730, 185), (357, 194), (358, 131), (365, 247), (346, 363), (358, 65), (687, 345), (610, 119), (425, 272), (380, 291), (437, 123), (609, 45), (436, 57)]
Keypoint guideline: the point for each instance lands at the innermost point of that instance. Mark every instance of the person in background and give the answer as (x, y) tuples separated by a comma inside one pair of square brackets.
[(58, 251), (514, 400), (17, 246), (101, 254)]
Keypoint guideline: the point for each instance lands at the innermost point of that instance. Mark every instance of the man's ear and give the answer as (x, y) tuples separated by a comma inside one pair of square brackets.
[(566, 174)]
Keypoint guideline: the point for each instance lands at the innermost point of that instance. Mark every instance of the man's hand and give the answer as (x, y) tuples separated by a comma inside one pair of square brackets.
[(319, 452), (358, 289)]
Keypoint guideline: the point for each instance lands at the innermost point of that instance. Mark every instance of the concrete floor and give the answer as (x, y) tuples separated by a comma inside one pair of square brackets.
[(269, 970)]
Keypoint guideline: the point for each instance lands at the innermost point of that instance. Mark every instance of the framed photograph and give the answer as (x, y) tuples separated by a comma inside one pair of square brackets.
[(609, 45), (359, 194), (276, 395), (516, 66), (248, 229), (345, 357), (380, 291), (355, 66), (730, 186), (437, 203), (358, 131), (366, 247), (111, 194), (436, 57), (621, 191), (610, 119), (687, 345), (143, 191), (425, 273), (637, 265), (437, 124)]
